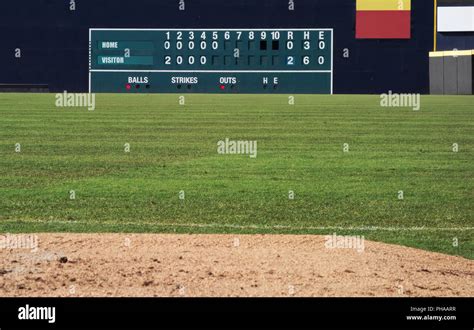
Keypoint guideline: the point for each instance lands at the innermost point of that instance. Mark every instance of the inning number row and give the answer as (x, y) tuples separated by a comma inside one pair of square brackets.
[(192, 40)]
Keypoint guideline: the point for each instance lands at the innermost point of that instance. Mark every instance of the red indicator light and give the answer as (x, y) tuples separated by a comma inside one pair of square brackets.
[(222, 87), (127, 86)]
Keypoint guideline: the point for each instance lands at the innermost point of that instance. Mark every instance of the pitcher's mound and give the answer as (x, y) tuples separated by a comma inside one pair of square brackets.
[(226, 265)]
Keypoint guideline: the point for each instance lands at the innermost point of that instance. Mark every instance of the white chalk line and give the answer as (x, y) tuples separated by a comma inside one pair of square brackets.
[(253, 227)]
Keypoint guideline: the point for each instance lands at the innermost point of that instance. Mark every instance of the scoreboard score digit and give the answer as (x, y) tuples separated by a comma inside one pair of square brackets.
[(211, 61)]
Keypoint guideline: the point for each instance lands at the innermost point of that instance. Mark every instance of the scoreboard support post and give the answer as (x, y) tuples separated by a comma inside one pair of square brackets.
[(263, 61)]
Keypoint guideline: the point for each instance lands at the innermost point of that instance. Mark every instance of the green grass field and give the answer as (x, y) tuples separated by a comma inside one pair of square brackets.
[(300, 148)]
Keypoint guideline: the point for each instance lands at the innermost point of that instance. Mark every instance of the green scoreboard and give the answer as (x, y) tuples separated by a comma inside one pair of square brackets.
[(211, 61)]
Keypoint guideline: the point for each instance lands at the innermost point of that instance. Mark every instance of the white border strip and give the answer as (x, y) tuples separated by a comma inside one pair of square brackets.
[(332, 62), (90, 59), (199, 29), (213, 71), (210, 71)]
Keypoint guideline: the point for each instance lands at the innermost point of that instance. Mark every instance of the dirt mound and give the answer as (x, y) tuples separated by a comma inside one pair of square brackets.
[(226, 265)]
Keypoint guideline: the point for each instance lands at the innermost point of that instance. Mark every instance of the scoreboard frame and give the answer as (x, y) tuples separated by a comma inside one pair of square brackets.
[(331, 70)]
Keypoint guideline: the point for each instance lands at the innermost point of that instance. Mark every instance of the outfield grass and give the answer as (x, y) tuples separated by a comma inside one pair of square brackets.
[(300, 148)]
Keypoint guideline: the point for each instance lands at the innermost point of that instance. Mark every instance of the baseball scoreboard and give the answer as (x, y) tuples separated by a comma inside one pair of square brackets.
[(211, 61)]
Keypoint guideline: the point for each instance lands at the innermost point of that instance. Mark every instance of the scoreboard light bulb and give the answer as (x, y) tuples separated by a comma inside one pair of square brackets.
[(127, 86), (222, 87)]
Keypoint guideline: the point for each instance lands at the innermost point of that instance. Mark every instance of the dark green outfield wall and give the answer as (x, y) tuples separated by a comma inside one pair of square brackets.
[(54, 40)]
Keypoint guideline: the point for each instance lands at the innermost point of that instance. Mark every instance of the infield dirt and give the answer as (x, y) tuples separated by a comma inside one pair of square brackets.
[(226, 265)]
